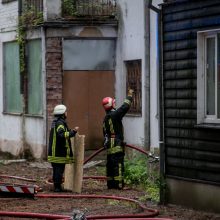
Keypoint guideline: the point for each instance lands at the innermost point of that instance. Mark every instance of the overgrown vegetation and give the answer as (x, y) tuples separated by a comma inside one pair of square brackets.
[(29, 19), (141, 173), (73, 8), (69, 8)]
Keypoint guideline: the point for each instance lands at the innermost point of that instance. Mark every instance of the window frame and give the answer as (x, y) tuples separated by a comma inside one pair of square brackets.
[(6, 105), (136, 106), (202, 117), (30, 72)]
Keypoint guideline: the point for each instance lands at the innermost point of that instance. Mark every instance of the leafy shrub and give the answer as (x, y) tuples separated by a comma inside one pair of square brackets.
[(139, 172)]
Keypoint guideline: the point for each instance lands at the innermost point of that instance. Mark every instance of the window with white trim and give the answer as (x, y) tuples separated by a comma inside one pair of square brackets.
[(208, 77)]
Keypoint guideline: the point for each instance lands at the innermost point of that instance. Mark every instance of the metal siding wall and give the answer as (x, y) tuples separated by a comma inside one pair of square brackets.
[(191, 152)]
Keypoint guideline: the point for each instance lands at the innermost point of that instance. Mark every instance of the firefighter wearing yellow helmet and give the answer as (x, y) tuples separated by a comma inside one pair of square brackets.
[(59, 150)]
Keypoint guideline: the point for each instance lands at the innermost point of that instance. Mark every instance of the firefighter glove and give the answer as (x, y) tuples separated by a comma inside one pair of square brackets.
[(130, 92), (72, 133)]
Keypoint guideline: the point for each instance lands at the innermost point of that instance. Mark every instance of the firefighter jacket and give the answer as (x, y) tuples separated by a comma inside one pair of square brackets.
[(59, 150), (113, 128)]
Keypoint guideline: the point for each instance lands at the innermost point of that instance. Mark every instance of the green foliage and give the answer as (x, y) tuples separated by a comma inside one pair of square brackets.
[(74, 8), (139, 172), (29, 19), (136, 170), (69, 8)]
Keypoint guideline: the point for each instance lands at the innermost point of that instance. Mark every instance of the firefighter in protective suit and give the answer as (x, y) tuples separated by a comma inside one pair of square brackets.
[(114, 140), (59, 150)]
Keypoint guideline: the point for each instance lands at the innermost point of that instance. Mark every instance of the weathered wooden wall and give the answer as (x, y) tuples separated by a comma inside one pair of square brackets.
[(191, 152)]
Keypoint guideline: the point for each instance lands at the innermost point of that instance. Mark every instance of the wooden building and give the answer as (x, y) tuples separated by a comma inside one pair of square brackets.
[(191, 102)]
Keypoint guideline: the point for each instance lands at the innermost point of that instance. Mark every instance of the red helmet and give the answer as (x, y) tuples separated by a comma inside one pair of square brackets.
[(108, 103)]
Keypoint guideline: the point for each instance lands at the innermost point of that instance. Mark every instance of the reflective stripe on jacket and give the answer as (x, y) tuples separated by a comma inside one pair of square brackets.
[(59, 150), (113, 127)]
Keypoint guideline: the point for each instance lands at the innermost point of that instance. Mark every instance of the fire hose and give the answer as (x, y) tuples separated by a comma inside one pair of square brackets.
[(147, 212), (149, 154)]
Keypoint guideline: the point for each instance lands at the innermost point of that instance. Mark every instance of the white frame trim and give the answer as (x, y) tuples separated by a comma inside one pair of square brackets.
[(201, 75)]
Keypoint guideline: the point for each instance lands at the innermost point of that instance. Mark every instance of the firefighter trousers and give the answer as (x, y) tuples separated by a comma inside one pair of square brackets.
[(58, 171), (115, 170)]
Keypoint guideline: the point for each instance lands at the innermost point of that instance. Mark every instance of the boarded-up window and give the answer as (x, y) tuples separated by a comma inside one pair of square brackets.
[(34, 69), (12, 96), (89, 54), (134, 82)]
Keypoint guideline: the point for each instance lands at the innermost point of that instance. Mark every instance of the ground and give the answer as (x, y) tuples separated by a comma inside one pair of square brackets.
[(41, 172)]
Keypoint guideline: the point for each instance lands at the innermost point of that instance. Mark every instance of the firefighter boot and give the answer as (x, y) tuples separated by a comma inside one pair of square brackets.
[(57, 187)]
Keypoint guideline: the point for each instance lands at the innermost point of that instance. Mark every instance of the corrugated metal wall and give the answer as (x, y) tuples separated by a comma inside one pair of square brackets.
[(191, 152)]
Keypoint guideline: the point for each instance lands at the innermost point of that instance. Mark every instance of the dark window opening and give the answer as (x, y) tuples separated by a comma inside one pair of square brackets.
[(134, 82)]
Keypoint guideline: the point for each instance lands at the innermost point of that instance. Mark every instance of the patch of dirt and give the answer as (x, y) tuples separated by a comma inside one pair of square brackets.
[(40, 172)]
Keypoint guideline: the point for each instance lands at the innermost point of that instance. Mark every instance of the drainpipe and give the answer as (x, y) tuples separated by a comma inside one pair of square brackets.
[(45, 112), (147, 77), (19, 7), (161, 102), (23, 88)]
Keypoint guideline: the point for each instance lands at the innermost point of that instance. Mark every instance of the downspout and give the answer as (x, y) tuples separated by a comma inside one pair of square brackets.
[(23, 88), (161, 102), (19, 7), (43, 44), (147, 76)]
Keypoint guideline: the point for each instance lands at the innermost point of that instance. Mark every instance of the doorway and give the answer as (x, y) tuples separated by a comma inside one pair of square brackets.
[(83, 92)]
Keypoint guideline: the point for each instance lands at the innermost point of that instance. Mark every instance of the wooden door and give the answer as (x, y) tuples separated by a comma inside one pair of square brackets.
[(83, 92)]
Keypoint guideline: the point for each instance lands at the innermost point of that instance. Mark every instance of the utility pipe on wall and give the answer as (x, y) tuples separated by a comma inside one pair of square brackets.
[(161, 101), (147, 77)]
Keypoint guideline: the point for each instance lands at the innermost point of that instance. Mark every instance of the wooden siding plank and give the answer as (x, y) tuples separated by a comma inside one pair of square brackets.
[(192, 144), (207, 135), (193, 164), (193, 174), (180, 113), (180, 94), (180, 64), (180, 55), (180, 35), (183, 123), (181, 103), (193, 154), (180, 84), (187, 5), (193, 13), (180, 45), (192, 23), (180, 74), (179, 132)]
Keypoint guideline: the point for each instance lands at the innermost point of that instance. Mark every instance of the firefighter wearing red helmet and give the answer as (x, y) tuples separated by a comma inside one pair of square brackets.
[(114, 139)]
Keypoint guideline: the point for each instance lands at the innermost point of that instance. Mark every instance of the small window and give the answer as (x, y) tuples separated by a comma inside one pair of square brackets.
[(12, 79), (208, 77), (134, 82)]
